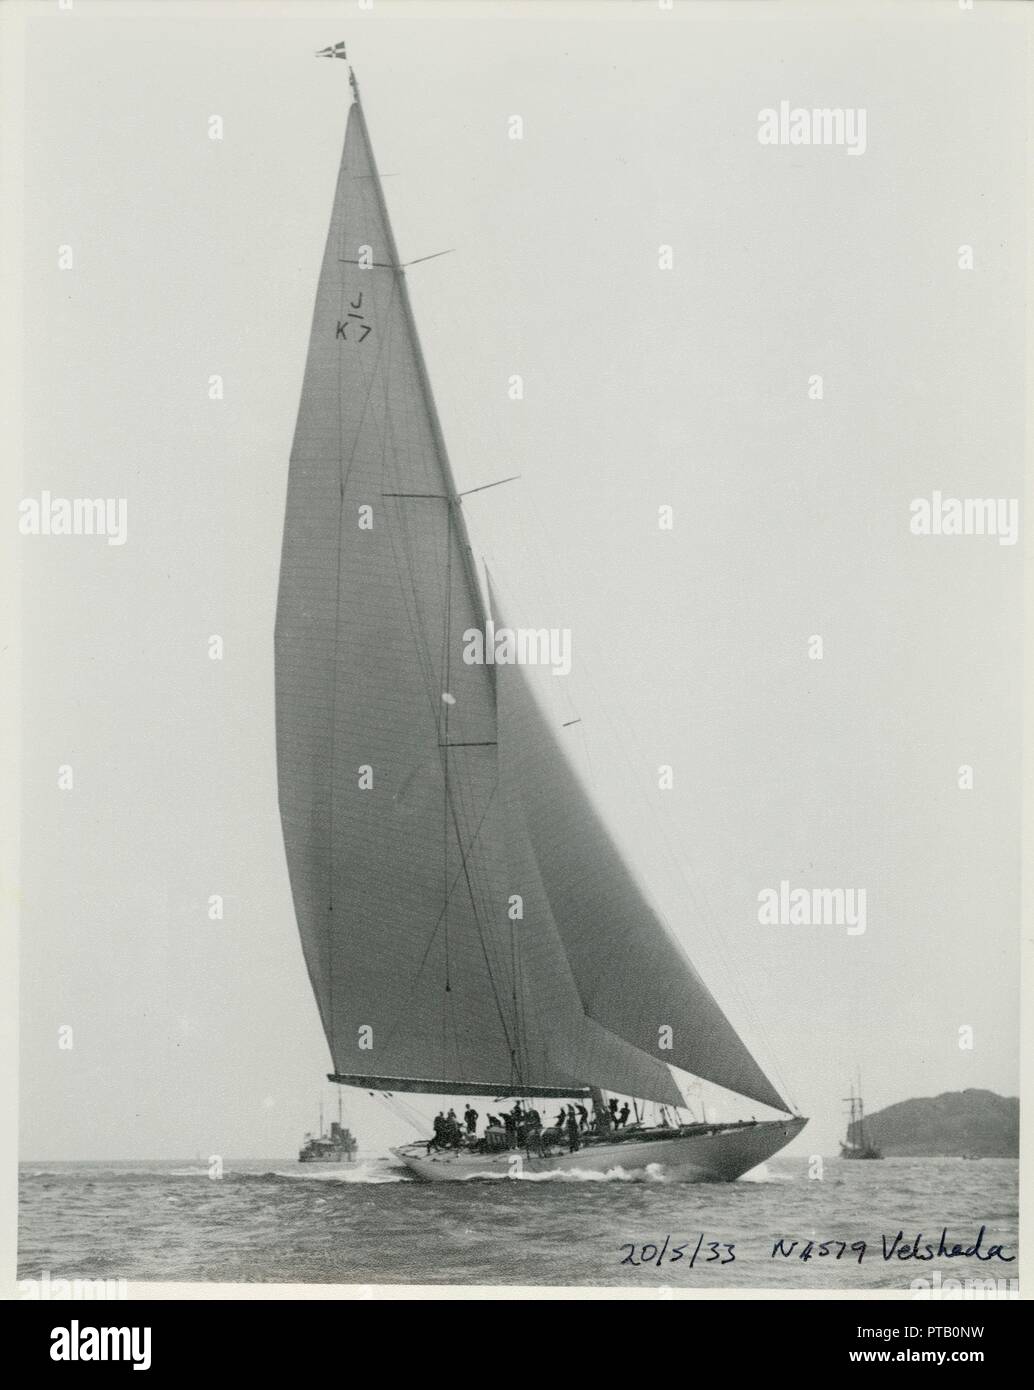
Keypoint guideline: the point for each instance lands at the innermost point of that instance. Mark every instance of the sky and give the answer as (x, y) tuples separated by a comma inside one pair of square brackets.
[(643, 387)]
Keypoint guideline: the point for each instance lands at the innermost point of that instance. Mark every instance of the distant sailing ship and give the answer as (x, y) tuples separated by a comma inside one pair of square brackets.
[(857, 1143), (419, 794), (339, 1146)]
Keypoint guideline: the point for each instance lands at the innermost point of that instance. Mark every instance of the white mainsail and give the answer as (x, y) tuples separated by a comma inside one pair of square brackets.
[(410, 801)]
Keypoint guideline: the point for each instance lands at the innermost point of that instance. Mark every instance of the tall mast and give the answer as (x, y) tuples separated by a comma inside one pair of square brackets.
[(455, 503), (852, 1113), (455, 517)]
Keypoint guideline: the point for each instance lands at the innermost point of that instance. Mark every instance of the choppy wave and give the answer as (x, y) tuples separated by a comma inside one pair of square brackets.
[(762, 1173), (272, 1220), (653, 1172), (374, 1171)]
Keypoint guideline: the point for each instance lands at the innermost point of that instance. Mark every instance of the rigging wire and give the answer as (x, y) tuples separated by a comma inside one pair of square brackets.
[(402, 1110), (407, 571)]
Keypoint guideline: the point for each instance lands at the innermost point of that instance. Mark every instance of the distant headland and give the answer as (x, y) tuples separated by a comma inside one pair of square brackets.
[(957, 1124)]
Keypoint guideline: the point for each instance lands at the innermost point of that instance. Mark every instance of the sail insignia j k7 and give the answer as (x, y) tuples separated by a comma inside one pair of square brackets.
[(418, 793)]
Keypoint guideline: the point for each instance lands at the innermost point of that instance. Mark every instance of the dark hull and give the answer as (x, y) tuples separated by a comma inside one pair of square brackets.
[(868, 1152)]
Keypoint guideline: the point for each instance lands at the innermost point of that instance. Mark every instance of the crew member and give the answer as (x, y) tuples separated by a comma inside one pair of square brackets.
[(573, 1141), (439, 1132)]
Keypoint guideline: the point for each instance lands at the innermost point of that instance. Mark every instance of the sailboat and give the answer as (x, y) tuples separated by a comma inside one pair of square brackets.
[(469, 925), (857, 1144)]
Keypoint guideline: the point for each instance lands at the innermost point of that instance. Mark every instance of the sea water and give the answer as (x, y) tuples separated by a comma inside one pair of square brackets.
[(781, 1227)]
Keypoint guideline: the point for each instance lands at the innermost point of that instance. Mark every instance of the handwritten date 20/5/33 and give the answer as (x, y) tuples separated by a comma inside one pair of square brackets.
[(699, 1252)]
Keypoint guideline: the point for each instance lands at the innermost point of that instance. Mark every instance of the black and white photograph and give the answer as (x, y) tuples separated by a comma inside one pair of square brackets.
[(516, 651)]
